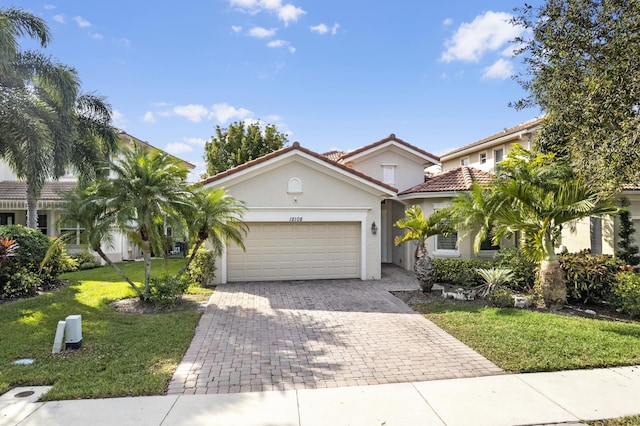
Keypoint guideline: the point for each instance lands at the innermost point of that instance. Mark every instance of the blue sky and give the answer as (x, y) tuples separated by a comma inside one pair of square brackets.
[(332, 74)]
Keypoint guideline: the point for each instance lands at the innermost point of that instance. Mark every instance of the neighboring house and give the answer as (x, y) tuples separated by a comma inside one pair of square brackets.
[(13, 206), (324, 216)]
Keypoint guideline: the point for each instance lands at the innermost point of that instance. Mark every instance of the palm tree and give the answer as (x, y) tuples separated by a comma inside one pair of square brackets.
[(215, 217), (147, 188), (84, 210), (419, 228), (45, 123), (536, 195)]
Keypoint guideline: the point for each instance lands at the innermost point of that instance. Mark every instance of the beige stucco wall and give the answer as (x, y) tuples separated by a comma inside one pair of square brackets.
[(474, 155), (409, 171), (326, 196)]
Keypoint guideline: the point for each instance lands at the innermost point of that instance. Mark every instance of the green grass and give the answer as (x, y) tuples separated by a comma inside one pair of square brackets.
[(527, 341), (621, 421), (122, 354)]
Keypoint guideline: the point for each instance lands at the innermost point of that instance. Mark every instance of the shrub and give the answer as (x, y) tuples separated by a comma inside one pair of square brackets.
[(166, 290), (500, 297), (493, 277), (21, 283), (32, 247), (203, 268), (524, 270), (460, 272), (57, 260), (86, 260), (625, 293), (589, 276)]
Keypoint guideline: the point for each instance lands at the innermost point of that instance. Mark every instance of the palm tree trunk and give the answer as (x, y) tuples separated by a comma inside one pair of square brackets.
[(552, 284), (194, 251), (32, 211), (118, 270), (423, 268), (146, 254)]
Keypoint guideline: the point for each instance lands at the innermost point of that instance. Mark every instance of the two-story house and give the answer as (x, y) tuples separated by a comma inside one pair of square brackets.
[(13, 206)]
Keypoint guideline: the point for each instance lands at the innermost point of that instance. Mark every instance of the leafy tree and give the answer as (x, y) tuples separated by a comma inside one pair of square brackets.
[(419, 228), (583, 71), (627, 250), (536, 195), (239, 143), (45, 123)]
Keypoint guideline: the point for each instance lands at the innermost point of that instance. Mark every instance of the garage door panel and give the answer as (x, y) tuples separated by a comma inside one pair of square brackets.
[(296, 251)]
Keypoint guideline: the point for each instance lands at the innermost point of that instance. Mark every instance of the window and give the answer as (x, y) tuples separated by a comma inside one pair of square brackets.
[(483, 158), (464, 161), (389, 173), (498, 155), (7, 218), (447, 242), (487, 245), (42, 223), (80, 236)]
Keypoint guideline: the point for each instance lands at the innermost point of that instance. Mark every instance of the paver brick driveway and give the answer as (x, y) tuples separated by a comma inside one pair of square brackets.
[(317, 334)]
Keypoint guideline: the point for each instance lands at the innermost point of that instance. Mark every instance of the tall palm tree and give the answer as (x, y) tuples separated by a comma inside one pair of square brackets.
[(537, 195), (45, 123), (147, 188), (215, 217), (419, 228)]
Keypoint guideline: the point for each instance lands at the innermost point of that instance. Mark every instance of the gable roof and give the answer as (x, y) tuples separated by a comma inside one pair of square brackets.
[(296, 147), (458, 179), (390, 140), (522, 128), (131, 139)]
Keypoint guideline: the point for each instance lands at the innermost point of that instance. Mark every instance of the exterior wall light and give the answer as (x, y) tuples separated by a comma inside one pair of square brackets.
[(374, 228)]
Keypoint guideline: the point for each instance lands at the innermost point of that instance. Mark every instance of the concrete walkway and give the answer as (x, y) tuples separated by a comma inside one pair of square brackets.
[(280, 336), (524, 399)]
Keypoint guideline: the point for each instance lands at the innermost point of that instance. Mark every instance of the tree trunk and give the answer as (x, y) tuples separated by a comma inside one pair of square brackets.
[(552, 284), (32, 211), (424, 272), (195, 249), (146, 254)]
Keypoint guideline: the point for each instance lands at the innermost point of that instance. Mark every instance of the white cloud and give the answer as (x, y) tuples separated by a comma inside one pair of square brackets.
[(259, 32), (334, 29), (178, 148), (118, 119), (49, 6), (320, 29), (282, 43), (447, 22), (160, 104), (82, 23), (225, 112), (501, 69), (236, 28), (195, 141), (59, 19), (289, 13), (97, 36), (487, 33), (191, 112), (149, 117)]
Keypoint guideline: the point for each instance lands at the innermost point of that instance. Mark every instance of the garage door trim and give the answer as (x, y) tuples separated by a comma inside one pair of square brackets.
[(348, 214)]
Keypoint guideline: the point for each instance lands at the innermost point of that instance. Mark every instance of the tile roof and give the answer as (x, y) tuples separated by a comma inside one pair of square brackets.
[(52, 191), (458, 179), (526, 126), (295, 146), (334, 155), (392, 138)]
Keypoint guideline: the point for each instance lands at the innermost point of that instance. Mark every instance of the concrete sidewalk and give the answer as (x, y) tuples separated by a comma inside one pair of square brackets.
[(564, 397)]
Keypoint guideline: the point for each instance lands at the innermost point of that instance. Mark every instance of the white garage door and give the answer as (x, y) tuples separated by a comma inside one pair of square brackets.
[(296, 251)]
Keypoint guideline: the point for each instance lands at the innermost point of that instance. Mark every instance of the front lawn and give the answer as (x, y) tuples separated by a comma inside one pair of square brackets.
[(122, 354), (528, 341)]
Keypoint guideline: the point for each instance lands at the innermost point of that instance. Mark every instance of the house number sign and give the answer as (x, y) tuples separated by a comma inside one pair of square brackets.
[(295, 219)]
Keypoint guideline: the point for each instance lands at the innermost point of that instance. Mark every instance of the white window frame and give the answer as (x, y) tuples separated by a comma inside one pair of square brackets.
[(495, 157), (389, 173), (464, 161), (483, 160)]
